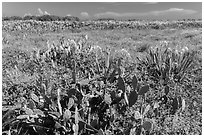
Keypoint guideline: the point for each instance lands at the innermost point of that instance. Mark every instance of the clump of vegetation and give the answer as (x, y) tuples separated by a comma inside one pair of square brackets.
[(73, 86)]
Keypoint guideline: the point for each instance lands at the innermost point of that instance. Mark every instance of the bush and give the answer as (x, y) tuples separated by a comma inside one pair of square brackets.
[(75, 88)]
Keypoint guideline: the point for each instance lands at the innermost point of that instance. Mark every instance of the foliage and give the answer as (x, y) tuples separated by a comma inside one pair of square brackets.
[(55, 23), (72, 87), (41, 18), (166, 66)]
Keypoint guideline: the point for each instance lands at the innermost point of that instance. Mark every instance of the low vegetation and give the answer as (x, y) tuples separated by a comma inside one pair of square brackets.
[(103, 82)]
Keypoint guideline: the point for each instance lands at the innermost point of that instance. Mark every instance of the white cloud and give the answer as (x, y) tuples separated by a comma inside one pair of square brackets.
[(115, 14), (173, 10), (155, 13), (84, 14), (68, 15), (40, 11), (46, 13), (27, 14)]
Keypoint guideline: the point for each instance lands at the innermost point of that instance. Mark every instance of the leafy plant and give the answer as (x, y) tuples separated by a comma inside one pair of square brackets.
[(78, 89), (164, 65)]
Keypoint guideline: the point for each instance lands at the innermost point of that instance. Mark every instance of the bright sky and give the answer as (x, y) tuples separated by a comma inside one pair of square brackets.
[(89, 10)]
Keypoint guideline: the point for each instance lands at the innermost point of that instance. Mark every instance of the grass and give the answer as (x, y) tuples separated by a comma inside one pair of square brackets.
[(18, 47)]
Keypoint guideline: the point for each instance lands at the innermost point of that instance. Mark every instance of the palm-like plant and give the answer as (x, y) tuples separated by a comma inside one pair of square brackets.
[(163, 65)]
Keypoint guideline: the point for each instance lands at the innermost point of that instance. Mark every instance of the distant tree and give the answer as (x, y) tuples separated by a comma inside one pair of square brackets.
[(70, 18), (16, 18), (57, 18), (5, 18), (105, 19), (29, 18), (11, 18), (42, 18)]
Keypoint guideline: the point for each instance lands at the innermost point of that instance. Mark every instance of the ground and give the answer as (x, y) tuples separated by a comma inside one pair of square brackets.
[(136, 42)]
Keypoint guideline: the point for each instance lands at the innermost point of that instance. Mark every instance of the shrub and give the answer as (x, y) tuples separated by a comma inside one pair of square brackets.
[(77, 89)]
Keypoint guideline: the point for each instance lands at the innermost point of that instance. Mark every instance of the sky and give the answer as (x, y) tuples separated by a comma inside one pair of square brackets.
[(93, 10)]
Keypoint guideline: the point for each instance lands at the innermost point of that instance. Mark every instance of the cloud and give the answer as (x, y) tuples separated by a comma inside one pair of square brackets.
[(40, 11), (175, 11), (115, 14), (46, 13), (27, 14), (68, 15), (84, 14)]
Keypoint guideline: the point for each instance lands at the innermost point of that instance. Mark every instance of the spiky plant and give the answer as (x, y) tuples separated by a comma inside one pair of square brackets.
[(163, 65)]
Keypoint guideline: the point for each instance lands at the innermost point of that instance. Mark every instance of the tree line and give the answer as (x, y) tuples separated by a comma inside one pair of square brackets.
[(41, 18)]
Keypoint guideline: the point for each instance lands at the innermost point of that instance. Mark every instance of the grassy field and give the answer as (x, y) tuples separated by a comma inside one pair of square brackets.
[(18, 47)]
